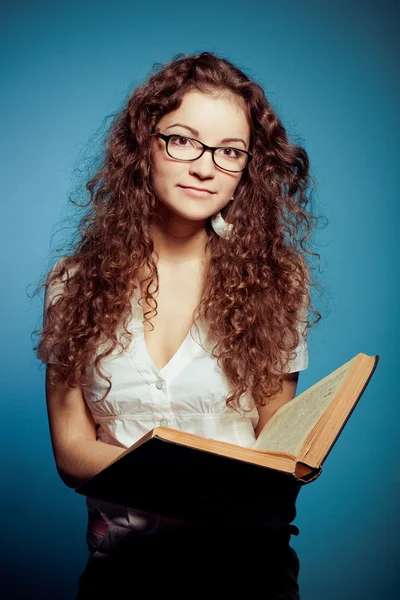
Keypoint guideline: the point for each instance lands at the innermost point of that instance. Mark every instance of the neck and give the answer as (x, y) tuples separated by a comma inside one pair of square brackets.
[(177, 240)]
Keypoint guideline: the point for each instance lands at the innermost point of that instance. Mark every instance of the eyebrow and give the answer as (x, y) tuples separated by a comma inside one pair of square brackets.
[(195, 132)]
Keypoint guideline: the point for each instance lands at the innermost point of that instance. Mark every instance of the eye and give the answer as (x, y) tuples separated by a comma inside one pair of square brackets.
[(180, 140), (230, 152)]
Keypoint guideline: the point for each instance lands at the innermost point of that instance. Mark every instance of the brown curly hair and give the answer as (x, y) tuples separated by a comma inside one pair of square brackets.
[(256, 290)]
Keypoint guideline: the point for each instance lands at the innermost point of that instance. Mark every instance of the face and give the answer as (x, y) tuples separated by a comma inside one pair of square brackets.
[(209, 119)]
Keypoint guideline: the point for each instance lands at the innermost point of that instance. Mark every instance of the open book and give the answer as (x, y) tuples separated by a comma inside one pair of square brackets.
[(168, 470)]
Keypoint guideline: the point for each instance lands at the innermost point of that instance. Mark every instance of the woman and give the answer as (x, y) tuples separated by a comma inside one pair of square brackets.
[(182, 304)]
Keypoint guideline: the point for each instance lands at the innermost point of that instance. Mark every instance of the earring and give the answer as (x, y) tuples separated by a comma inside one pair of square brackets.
[(220, 226)]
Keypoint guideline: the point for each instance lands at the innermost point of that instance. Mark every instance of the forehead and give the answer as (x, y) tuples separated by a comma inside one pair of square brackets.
[(214, 116)]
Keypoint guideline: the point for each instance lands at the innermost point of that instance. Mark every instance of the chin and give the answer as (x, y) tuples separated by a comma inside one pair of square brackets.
[(197, 214), (195, 217)]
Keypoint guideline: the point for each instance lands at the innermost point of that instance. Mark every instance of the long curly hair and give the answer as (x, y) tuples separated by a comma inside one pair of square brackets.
[(256, 289)]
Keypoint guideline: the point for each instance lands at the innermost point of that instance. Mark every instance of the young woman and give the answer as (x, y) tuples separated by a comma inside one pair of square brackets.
[(183, 304)]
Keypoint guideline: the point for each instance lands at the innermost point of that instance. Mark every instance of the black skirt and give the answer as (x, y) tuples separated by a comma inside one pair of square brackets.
[(196, 564)]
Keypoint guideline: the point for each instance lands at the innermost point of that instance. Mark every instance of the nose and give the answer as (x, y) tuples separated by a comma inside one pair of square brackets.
[(203, 166)]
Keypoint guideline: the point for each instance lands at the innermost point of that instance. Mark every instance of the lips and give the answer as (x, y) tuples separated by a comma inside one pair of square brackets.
[(190, 187)]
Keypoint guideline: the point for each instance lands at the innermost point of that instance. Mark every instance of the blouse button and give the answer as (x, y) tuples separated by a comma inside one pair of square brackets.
[(163, 423), (159, 384)]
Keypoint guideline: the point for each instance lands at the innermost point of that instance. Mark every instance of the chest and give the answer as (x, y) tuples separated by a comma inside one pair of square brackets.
[(177, 298)]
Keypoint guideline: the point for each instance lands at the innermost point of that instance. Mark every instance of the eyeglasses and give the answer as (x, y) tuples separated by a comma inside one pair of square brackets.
[(230, 159)]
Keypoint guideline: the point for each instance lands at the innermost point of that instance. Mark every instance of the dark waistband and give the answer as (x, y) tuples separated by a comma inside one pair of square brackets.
[(282, 533)]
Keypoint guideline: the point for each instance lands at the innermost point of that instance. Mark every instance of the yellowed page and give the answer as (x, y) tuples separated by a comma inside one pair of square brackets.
[(289, 427)]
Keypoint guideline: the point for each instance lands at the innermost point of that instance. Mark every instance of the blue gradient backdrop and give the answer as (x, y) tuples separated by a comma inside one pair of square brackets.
[(329, 69)]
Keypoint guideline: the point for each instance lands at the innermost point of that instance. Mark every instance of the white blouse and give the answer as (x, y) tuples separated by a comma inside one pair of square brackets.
[(188, 393)]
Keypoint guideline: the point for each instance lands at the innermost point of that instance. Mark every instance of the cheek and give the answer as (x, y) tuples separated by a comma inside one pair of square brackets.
[(165, 174), (172, 170), (231, 185), (158, 170)]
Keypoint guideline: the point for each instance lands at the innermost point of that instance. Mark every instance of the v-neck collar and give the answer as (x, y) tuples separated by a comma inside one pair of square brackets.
[(188, 349), (182, 357)]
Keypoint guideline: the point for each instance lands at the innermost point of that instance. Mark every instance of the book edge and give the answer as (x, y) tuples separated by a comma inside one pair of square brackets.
[(352, 407), (164, 434)]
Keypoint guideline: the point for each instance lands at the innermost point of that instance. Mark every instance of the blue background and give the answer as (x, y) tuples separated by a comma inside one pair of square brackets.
[(329, 69)]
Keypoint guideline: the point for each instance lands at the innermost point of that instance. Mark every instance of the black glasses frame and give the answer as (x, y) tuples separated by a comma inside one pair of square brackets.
[(166, 139)]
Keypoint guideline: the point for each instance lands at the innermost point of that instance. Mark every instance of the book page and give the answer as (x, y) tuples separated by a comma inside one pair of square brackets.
[(288, 428)]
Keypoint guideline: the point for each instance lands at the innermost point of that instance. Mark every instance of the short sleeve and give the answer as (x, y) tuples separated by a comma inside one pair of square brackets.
[(53, 291)]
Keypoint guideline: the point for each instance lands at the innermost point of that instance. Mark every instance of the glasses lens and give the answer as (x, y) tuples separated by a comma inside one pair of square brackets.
[(231, 159), (183, 148)]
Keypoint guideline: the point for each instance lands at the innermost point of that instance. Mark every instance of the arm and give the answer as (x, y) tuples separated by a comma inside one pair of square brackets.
[(78, 455), (288, 393)]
